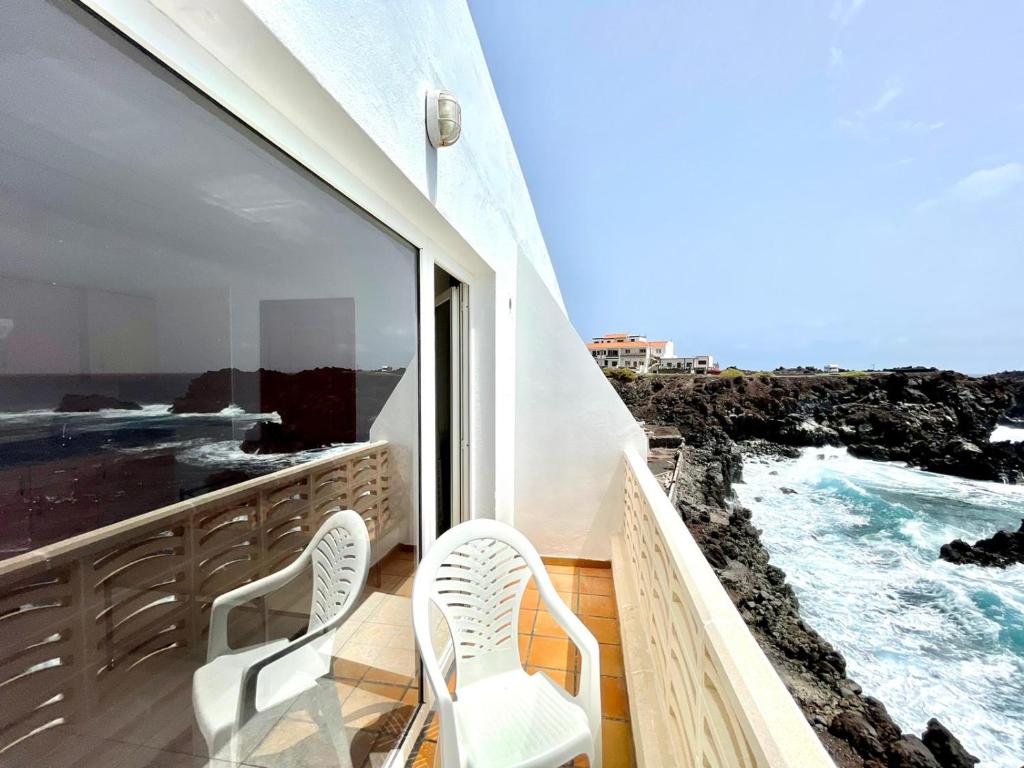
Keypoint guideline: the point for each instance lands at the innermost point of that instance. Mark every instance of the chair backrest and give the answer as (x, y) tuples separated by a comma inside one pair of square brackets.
[(476, 574), (340, 554)]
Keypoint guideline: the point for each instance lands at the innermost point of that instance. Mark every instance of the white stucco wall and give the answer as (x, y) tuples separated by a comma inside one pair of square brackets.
[(571, 429), (378, 59), (341, 87)]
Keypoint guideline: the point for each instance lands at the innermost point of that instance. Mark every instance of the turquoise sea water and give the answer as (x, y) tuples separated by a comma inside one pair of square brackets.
[(859, 542)]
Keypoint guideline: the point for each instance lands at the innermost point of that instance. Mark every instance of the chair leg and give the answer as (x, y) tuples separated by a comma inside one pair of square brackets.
[(333, 721)]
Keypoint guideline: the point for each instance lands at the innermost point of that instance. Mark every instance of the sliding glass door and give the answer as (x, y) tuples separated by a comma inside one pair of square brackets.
[(205, 352)]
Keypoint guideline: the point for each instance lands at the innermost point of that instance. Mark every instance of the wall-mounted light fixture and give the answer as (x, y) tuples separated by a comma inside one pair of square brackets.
[(444, 118)]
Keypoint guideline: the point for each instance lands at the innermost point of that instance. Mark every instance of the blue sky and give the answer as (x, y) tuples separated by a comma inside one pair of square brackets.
[(777, 183)]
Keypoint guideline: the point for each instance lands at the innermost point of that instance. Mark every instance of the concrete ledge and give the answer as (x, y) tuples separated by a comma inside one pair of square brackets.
[(651, 741), (701, 691)]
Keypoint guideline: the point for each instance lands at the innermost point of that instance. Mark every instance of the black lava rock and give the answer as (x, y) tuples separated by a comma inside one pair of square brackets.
[(1002, 549)]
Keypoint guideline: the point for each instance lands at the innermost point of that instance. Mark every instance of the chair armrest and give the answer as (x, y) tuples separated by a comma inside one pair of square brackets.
[(450, 751), (250, 677), (589, 695), (222, 605)]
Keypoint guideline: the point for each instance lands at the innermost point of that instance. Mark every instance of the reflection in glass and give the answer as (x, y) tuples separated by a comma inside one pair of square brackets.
[(204, 354), (239, 692)]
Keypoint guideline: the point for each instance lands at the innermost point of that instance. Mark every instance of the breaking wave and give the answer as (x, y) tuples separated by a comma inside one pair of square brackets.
[(152, 411), (859, 542), (1004, 432), (226, 454)]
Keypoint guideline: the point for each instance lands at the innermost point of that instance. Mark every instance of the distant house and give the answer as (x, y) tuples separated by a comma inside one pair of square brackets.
[(696, 364), (625, 350), (832, 368)]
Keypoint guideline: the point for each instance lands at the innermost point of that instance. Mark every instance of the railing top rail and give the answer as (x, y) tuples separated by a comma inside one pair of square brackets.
[(776, 725), (99, 538)]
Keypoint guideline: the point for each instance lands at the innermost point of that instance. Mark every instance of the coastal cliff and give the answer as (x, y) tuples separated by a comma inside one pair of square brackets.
[(940, 421), (937, 420)]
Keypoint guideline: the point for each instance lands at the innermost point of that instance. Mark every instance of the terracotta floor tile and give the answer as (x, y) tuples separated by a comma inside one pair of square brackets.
[(595, 585), (391, 692), (526, 620), (602, 573), (598, 605), (346, 669), (524, 646), (564, 582), (404, 589), (605, 630), (386, 677), (396, 567), (425, 756), (570, 569), (433, 730), (393, 665), (614, 698), (551, 653), (531, 599), (547, 626), (616, 744), (368, 706), (611, 661)]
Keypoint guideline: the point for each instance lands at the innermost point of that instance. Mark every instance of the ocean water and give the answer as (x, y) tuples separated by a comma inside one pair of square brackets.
[(1013, 434), (63, 474), (859, 542)]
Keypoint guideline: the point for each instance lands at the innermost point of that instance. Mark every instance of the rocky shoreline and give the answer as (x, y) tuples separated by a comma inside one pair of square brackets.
[(940, 421), (856, 729), (1003, 549)]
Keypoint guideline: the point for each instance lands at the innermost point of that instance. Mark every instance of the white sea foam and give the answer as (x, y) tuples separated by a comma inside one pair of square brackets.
[(1005, 432), (151, 411), (859, 543), (228, 454)]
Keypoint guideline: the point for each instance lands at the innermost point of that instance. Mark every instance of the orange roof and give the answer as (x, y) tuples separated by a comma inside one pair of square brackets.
[(627, 344)]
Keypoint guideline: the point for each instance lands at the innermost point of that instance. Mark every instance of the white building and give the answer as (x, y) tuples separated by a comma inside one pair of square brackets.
[(696, 364), (625, 350), (205, 197)]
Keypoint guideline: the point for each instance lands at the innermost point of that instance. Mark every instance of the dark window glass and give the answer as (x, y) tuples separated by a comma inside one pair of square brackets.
[(205, 353)]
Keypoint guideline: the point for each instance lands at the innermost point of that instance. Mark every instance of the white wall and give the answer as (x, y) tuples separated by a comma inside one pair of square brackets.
[(341, 87), (571, 428), (378, 59)]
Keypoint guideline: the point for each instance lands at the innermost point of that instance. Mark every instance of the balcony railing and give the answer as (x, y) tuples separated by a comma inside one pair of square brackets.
[(106, 612), (701, 691)]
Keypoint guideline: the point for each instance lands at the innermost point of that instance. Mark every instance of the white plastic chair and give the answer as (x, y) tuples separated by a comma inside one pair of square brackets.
[(501, 716), (235, 686)]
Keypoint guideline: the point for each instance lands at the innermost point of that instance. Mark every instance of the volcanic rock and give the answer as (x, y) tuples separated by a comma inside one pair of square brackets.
[(937, 420), (910, 752), (947, 749), (1002, 549), (316, 407)]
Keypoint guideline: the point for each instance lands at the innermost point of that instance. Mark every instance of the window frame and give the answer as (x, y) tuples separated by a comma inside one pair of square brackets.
[(160, 34)]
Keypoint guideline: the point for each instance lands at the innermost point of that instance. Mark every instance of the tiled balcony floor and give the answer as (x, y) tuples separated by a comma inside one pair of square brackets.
[(543, 644)]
